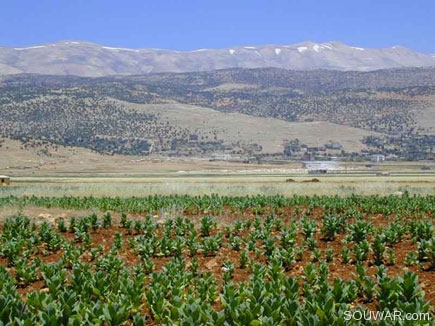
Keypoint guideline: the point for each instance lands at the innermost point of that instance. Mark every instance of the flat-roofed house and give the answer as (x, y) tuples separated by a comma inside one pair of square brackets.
[(318, 167), (377, 158)]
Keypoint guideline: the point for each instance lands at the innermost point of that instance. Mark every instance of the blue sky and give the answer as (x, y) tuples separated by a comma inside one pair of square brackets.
[(193, 24)]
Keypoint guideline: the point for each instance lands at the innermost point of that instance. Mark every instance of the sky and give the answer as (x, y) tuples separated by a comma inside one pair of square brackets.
[(195, 24)]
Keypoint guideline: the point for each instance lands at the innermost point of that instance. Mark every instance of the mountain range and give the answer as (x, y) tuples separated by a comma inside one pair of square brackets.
[(94, 60)]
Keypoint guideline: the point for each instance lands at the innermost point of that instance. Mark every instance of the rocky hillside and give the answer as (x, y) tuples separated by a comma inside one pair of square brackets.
[(191, 113)]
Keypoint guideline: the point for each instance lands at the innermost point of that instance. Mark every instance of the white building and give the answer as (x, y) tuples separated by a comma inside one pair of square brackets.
[(220, 157), (319, 166), (377, 158)]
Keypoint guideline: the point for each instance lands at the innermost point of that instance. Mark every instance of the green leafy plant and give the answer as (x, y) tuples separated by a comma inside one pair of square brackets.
[(207, 225), (329, 254), (332, 225), (107, 220), (309, 228)]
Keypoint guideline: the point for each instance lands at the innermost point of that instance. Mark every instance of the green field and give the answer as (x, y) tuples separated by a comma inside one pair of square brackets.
[(193, 248), (216, 260)]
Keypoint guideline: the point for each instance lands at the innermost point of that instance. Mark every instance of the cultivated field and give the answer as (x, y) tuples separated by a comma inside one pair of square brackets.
[(213, 260), (216, 243)]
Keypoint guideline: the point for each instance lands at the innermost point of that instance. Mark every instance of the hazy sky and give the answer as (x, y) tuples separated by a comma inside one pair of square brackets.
[(193, 24)]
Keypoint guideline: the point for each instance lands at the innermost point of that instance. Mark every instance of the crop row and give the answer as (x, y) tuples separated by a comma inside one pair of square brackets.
[(405, 205)]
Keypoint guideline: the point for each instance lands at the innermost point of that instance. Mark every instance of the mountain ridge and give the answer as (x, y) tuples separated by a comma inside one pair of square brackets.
[(89, 59), (302, 43)]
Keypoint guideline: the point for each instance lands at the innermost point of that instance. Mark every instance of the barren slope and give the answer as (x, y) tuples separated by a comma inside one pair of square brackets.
[(270, 133)]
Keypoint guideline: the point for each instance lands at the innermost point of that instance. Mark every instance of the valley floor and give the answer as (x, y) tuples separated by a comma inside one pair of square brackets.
[(228, 184)]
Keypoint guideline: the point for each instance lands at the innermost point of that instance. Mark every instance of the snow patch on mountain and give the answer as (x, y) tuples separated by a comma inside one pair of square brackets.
[(302, 49), (118, 49), (327, 46), (30, 48), (316, 47), (70, 42), (277, 51)]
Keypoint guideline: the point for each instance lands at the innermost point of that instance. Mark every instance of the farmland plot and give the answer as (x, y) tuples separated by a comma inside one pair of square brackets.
[(220, 261)]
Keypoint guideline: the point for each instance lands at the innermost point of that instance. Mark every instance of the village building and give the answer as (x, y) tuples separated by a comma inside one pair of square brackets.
[(5, 180), (319, 167), (377, 158)]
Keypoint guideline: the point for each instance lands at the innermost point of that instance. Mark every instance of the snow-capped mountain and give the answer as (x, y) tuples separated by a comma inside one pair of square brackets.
[(90, 59)]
